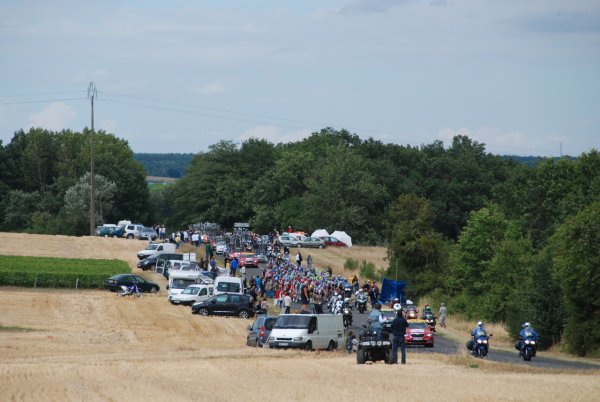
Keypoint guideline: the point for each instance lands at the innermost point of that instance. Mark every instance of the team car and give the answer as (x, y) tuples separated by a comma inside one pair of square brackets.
[(418, 333)]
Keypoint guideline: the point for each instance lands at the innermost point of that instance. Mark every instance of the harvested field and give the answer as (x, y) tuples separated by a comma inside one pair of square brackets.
[(92, 345)]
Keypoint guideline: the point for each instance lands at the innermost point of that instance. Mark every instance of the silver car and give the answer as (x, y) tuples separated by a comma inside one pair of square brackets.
[(313, 242)]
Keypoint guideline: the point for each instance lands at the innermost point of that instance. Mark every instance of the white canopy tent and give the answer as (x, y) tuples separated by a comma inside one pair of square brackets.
[(319, 233), (343, 236)]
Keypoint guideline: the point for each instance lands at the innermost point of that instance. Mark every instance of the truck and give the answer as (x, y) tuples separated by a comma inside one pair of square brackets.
[(153, 248), (307, 331), (196, 292)]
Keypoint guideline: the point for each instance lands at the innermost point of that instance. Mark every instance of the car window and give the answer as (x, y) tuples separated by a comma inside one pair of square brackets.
[(269, 322), (234, 287), (202, 292), (139, 279), (236, 299), (222, 287), (221, 299)]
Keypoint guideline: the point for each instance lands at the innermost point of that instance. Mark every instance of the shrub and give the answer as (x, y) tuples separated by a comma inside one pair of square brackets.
[(351, 264)]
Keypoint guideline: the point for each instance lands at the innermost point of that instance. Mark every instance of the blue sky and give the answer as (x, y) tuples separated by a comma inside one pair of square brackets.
[(522, 77)]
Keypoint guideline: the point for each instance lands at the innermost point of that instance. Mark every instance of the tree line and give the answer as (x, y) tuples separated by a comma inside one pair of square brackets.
[(494, 238)]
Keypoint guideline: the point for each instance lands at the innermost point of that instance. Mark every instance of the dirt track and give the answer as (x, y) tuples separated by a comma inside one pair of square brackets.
[(91, 345)]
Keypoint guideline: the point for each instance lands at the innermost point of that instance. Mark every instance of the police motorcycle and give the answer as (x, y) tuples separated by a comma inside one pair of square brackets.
[(479, 345), (527, 343), (346, 313), (361, 302)]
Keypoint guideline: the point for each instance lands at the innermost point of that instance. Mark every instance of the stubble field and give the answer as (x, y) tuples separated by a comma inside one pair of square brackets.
[(91, 345)]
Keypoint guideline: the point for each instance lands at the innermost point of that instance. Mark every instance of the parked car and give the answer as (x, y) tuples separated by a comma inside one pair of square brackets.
[(154, 248), (115, 282), (331, 241), (147, 233), (111, 231), (259, 331), (418, 333), (132, 231), (290, 241), (232, 304), (148, 262), (313, 242), (192, 294)]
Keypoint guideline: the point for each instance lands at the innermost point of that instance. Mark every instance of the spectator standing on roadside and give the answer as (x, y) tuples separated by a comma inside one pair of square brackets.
[(442, 315), (233, 266), (208, 249), (213, 264), (298, 259), (287, 303), (309, 262), (304, 296), (399, 326)]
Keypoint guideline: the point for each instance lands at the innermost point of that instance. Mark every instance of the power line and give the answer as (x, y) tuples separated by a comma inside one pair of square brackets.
[(42, 93)]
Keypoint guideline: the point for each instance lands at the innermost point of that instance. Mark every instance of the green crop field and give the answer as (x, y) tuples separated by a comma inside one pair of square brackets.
[(58, 272)]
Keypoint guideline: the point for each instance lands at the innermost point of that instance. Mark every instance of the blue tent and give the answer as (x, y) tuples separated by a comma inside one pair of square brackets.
[(391, 289)]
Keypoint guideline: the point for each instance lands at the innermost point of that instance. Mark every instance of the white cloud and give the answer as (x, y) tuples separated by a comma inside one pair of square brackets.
[(514, 142), (56, 116), (274, 134), (213, 88)]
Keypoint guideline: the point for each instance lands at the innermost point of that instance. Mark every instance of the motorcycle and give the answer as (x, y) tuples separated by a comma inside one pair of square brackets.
[(131, 291), (347, 316), (430, 320), (479, 345), (412, 313), (347, 292), (362, 304), (527, 348)]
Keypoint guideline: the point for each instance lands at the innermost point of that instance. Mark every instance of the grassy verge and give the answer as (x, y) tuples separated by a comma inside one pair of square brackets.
[(58, 272), (14, 329)]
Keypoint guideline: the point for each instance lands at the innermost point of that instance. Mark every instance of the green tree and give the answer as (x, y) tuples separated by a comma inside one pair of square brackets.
[(575, 248), (20, 208), (416, 252), (77, 200)]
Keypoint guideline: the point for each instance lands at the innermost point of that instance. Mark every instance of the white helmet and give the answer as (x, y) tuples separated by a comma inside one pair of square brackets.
[(409, 302), (340, 297), (527, 324), (346, 300), (479, 323), (397, 307)]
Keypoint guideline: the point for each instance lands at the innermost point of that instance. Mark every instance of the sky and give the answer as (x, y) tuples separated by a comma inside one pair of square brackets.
[(521, 77)]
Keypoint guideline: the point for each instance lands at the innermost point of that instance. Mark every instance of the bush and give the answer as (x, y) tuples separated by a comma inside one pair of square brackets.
[(351, 264), (58, 272), (368, 270)]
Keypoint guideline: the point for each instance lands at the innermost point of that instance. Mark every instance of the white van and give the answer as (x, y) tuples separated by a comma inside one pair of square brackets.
[(228, 284), (192, 294), (307, 331), (153, 248), (180, 280)]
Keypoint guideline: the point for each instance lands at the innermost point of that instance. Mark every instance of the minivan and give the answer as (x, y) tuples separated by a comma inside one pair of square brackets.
[(228, 284), (307, 331)]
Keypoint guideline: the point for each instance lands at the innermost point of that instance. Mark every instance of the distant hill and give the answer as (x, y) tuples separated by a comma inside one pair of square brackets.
[(164, 165), (531, 161)]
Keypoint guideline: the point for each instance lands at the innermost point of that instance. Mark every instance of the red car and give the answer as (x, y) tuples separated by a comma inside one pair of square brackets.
[(418, 333), (248, 260), (333, 242)]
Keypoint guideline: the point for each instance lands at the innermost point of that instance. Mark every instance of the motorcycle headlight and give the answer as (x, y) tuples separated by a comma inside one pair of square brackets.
[(484, 341), (532, 342), (479, 341), (379, 343), (527, 341)]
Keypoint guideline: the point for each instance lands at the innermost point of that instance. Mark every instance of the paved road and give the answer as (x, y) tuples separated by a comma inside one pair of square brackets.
[(449, 346)]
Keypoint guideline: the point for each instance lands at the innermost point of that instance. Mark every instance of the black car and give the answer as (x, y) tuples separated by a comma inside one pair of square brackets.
[(148, 262), (233, 304), (259, 331), (115, 282)]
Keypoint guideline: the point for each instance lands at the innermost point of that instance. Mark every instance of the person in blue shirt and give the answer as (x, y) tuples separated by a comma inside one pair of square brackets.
[(527, 332), (478, 331)]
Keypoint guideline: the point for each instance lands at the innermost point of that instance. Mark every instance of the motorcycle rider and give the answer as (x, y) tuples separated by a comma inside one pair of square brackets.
[(527, 332), (411, 310), (477, 332), (339, 304), (426, 311)]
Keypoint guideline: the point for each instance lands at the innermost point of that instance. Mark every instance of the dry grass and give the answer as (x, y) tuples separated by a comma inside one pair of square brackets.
[(335, 257), (93, 345)]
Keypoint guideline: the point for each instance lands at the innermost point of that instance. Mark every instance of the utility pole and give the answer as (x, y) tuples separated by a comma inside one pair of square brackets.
[(92, 93)]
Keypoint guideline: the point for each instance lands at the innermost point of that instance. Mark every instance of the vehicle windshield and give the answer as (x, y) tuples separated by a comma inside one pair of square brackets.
[(269, 322), (480, 332), (292, 321), (181, 283), (417, 325), (190, 291), (152, 246)]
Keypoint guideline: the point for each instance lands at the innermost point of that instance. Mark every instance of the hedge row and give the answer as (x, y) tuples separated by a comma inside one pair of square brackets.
[(58, 272)]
